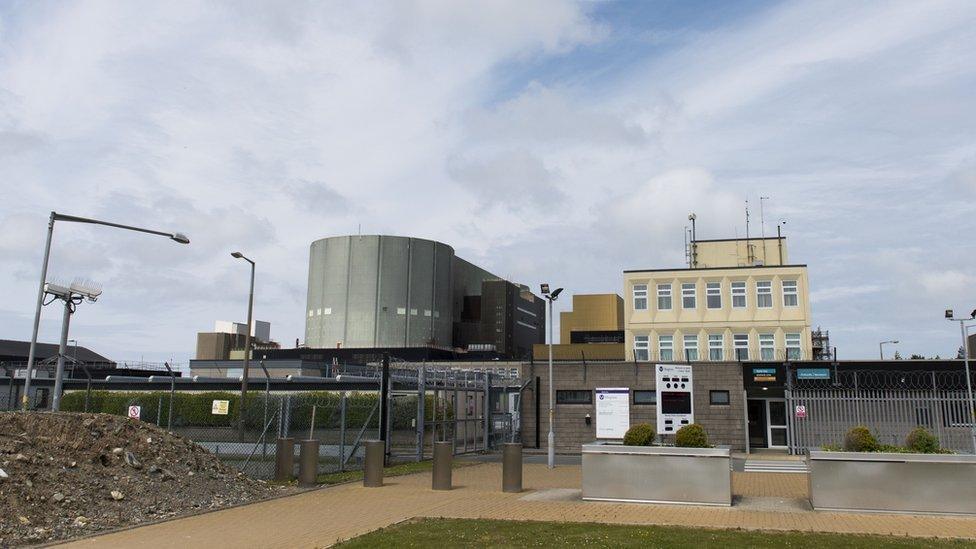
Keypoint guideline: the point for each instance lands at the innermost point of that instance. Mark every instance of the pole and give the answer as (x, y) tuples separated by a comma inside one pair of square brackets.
[(881, 350), (779, 241), (37, 314), (62, 349), (247, 336), (552, 435), (969, 383)]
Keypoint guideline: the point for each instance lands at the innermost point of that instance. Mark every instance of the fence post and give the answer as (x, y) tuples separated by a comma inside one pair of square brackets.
[(857, 400), (159, 412), (342, 431), (385, 407), (487, 410), (421, 409)]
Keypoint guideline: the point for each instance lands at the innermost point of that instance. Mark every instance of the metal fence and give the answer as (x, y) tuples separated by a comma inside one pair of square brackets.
[(890, 403)]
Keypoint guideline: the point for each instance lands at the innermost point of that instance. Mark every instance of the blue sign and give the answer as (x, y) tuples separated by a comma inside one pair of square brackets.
[(813, 373), (764, 371)]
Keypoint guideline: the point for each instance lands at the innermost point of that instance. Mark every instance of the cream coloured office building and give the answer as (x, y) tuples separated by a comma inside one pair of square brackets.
[(741, 300)]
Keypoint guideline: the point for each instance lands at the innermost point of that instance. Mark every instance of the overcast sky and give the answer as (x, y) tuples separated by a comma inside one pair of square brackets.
[(545, 141)]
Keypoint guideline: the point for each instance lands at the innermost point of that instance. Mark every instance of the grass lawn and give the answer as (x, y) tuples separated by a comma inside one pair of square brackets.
[(503, 533)]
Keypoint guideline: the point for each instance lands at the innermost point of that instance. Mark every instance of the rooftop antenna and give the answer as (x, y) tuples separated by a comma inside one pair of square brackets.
[(694, 240), (762, 225), (748, 243)]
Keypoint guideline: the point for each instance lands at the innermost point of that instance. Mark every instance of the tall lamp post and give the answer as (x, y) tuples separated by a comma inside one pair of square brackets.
[(883, 343), (247, 334), (965, 358), (177, 237), (552, 405)]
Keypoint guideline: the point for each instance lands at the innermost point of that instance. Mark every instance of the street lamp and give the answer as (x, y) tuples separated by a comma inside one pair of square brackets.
[(247, 334), (177, 237), (553, 296), (965, 357), (883, 343)]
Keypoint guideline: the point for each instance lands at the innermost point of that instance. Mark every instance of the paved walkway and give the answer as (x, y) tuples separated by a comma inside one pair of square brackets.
[(323, 517)]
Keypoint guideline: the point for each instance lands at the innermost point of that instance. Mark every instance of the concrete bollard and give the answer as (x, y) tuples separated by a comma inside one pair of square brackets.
[(511, 467), (373, 467), (443, 455), (308, 463), (285, 459)]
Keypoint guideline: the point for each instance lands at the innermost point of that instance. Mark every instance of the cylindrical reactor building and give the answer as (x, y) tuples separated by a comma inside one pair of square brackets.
[(379, 291)]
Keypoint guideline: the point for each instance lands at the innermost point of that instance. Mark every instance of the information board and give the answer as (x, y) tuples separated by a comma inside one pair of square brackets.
[(612, 412), (674, 397), (220, 407)]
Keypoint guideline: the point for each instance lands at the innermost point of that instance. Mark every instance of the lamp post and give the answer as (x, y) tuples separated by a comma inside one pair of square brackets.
[(247, 334), (965, 358), (177, 237), (552, 392), (883, 343)]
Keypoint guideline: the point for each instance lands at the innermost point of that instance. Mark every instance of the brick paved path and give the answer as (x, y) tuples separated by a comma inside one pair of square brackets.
[(322, 517)]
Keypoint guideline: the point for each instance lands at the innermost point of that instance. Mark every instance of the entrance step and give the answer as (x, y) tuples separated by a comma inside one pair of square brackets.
[(775, 466)]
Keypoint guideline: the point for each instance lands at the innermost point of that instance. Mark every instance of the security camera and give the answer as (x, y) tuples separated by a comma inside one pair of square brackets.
[(948, 313), (545, 289)]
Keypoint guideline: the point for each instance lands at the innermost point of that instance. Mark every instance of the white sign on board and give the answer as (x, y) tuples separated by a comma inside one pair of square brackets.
[(135, 412), (612, 412), (220, 407)]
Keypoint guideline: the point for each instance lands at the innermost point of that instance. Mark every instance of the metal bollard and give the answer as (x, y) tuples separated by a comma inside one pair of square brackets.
[(373, 467), (308, 462), (285, 459), (512, 467), (443, 454)]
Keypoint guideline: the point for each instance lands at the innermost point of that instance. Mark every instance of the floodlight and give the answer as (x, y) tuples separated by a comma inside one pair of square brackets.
[(86, 289), (972, 314), (556, 293), (948, 313), (238, 255), (180, 237), (692, 217)]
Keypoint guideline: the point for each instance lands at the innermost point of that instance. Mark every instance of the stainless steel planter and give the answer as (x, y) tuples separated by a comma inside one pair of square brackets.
[(650, 474), (907, 483)]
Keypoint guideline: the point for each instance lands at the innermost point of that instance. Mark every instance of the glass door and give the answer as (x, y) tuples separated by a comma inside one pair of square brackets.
[(777, 423), (757, 423)]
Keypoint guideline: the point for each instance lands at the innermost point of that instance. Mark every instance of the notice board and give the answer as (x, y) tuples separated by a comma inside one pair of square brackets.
[(612, 412)]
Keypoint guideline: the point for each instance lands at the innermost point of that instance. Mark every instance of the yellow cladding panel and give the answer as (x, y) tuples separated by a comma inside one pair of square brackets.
[(579, 351), (592, 312), (767, 307), (740, 252)]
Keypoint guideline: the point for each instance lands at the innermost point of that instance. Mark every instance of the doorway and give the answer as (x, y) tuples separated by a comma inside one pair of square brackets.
[(757, 423), (767, 423)]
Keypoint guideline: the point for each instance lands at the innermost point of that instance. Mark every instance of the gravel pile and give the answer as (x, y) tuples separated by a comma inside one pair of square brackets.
[(65, 475)]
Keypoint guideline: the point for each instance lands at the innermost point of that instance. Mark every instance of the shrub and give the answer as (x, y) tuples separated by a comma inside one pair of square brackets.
[(691, 436), (922, 442), (641, 434), (860, 439)]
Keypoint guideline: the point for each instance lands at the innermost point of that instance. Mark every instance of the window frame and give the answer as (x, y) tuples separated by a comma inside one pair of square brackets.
[(646, 339), (636, 292), (588, 392), (664, 291), (670, 348), (796, 337), (720, 348), (767, 286), (644, 392), (713, 392), (791, 293), (709, 294), (736, 348), (693, 288), (685, 348), (744, 293), (771, 347)]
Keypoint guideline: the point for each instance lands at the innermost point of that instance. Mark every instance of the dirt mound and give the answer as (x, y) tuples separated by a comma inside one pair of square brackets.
[(66, 475)]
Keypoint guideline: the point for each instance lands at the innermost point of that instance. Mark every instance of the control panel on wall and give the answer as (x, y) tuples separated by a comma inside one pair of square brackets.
[(674, 398)]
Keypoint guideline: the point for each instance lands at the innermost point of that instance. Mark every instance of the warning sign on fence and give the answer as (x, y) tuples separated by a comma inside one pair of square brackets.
[(801, 411), (220, 407), (135, 412)]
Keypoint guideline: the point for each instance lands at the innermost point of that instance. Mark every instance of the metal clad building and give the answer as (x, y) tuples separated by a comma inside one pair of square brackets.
[(384, 291)]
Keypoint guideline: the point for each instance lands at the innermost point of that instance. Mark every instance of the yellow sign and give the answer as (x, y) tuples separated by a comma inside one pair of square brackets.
[(220, 407)]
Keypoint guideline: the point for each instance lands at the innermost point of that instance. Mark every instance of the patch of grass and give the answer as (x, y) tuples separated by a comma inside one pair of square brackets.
[(391, 471), (503, 533)]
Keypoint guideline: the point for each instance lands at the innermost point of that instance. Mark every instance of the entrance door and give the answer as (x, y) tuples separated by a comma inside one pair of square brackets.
[(777, 423), (757, 423)]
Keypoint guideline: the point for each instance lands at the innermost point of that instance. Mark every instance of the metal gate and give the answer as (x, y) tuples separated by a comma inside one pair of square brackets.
[(889, 403)]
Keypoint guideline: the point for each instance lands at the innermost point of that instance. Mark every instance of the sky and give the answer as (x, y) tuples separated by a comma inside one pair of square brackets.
[(546, 141)]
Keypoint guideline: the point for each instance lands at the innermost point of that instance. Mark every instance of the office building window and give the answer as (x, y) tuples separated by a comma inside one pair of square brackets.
[(764, 294), (715, 344), (738, 295), (646, 398), (713, 295), (641, 349), (691, 348), (574, 397), (640, 297), (718, 398), (767, 347), (793, 346), (664, 297), (665, 347), (740, 342), (688, 295), (790, 296)]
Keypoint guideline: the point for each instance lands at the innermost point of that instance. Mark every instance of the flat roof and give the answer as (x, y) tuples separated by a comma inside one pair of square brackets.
[(715, 268), (740, 239)]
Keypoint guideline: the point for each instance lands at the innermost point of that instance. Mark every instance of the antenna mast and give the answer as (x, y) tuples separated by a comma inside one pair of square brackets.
[(748, 242), (694, 241), (762, 225)]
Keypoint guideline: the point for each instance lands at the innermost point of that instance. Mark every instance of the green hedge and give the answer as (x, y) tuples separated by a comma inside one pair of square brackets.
[(194, 409)]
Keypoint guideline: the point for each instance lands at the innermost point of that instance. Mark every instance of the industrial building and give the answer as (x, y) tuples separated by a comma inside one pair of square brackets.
[(592, 330), (226, 341), (738, 299), (377, 291)]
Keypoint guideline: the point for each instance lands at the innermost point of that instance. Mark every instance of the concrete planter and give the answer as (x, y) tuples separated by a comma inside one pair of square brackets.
[(902, 483), (650, 474)]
